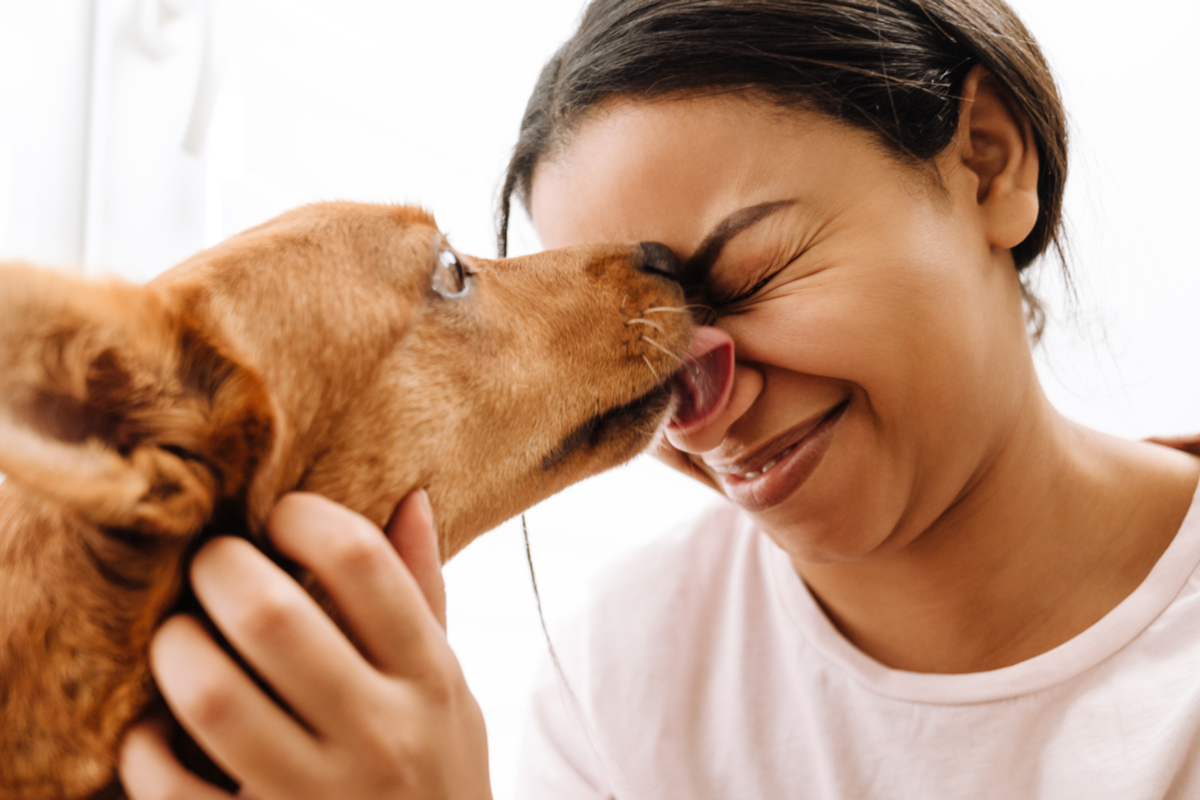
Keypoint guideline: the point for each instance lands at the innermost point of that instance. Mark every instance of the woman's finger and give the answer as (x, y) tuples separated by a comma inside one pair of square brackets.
[(230, 717), (413, 533), (377, 597), (281, 632), (1188, 444), (150, 771)]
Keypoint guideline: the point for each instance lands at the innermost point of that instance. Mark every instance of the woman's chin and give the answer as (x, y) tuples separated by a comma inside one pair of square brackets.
[(847, 509)]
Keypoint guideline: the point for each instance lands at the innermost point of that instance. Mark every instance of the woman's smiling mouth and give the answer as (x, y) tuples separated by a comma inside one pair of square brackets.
[(779, 469)]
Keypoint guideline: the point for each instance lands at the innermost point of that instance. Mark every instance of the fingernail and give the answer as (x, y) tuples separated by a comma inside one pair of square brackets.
[(425, 507)]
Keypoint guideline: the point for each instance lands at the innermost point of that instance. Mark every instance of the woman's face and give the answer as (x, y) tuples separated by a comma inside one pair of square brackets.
[(881, 351)]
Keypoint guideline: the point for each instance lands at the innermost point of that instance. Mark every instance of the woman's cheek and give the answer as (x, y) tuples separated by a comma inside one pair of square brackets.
[(849, 339), (854, 501)]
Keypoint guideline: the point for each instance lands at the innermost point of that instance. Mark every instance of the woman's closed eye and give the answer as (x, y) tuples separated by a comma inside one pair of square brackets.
[(733, 301), (736, 299)]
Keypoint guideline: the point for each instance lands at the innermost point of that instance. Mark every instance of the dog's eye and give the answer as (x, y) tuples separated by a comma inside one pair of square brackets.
[(449, 277)]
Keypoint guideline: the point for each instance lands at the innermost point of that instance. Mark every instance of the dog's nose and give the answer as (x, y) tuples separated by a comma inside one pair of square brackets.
[(657, 259)]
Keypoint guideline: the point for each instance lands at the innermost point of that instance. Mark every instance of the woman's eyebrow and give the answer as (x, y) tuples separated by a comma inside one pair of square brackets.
[(695, 270)]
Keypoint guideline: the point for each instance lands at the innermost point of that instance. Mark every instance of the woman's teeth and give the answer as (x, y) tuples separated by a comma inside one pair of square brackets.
[(749, 476)]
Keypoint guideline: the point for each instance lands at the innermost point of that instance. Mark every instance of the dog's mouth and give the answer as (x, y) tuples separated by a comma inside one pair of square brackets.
[(634, 415), (700, 389)]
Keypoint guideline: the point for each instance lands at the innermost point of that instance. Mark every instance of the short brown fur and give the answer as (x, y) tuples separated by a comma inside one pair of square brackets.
[(309, 353)]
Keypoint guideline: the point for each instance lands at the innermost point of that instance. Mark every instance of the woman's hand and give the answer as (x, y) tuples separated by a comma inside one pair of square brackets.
[(1188, 444), (395, 720)]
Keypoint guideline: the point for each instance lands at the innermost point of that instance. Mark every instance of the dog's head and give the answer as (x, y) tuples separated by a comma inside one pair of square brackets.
[(342, 348)]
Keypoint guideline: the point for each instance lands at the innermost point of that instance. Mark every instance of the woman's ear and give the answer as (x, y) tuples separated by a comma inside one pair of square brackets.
[(995, 144)]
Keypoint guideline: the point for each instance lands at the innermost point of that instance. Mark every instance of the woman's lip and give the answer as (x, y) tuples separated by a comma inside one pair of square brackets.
[(775, 450), (768, 489)]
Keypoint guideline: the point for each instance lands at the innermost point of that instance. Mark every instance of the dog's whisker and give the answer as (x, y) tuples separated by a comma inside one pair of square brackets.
[(685, 307), (680, 309), (707, 314), (653, 343), (654, 325), (653, 371)]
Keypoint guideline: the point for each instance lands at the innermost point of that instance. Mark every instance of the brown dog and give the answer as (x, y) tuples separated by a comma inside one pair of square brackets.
[(342, 349)]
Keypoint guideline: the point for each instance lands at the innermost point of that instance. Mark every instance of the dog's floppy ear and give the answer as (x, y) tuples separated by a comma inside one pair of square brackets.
[(113, 404)]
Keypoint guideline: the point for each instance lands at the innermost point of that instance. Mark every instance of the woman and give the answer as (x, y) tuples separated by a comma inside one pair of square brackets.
[(928, 583)]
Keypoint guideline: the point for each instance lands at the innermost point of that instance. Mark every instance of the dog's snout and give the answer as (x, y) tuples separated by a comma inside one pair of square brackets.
[(657, 259)]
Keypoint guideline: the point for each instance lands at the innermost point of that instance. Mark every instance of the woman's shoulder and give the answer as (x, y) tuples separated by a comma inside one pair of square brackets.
[(663, 622), (683, 574), (672, 600), (1158, 484)]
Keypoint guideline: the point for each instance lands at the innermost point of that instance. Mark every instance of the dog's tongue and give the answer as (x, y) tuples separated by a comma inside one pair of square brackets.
[(704, 383)]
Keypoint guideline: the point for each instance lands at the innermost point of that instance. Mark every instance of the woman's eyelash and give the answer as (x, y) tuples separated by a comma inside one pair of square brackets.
[(746, 295)]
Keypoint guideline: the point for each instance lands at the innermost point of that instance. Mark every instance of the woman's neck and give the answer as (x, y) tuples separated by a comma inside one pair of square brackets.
[(1058, 529)]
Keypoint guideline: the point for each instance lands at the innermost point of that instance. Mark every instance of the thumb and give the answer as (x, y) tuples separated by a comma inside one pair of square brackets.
[(414, 535)]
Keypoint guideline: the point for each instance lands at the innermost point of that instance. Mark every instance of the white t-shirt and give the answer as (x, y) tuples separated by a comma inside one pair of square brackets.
[(705, 669)]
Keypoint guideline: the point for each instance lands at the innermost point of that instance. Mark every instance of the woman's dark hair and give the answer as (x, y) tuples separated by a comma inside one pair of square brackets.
[(894, 68)]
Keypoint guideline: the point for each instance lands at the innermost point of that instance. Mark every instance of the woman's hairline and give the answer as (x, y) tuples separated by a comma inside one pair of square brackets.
[(565, 127)]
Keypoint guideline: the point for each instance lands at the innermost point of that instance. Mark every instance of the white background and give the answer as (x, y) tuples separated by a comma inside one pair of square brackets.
[(420, 102)]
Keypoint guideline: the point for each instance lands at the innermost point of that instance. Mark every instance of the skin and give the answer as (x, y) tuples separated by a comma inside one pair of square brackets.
[(395, 720), (953, 522)]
